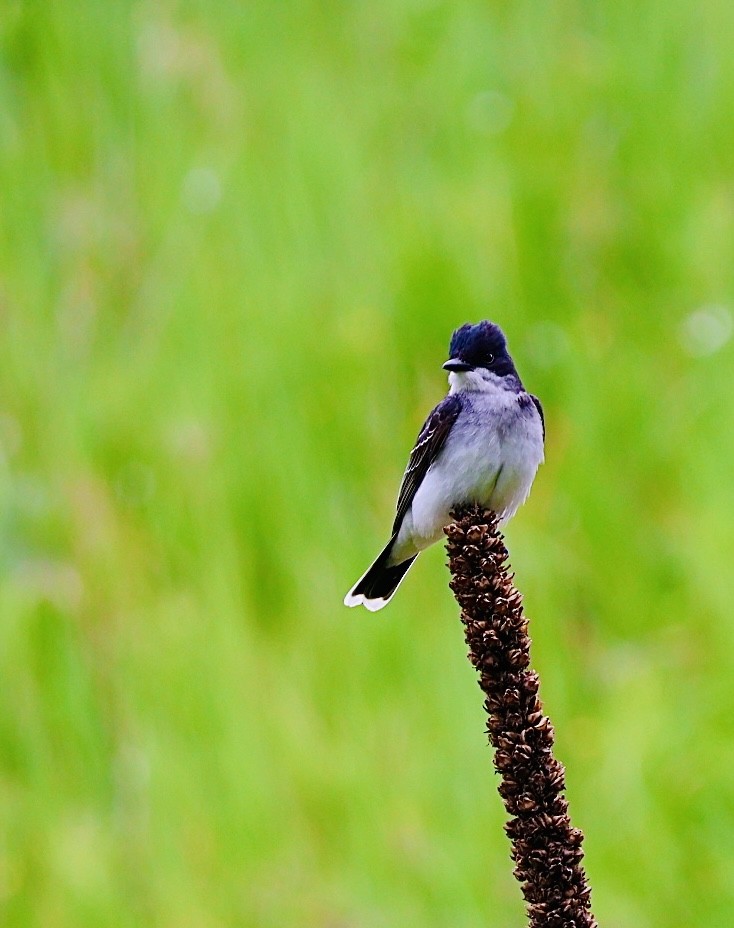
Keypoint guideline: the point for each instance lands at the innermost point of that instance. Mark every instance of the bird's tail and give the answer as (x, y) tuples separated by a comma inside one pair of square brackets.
[(377, 587)]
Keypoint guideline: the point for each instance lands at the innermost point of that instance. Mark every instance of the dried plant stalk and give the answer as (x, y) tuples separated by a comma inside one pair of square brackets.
[(546, 849)]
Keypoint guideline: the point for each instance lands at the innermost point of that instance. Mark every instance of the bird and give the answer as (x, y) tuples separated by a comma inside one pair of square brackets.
[(482, 444)]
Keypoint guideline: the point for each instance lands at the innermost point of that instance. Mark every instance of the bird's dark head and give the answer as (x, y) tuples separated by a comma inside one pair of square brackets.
[(481, 347)]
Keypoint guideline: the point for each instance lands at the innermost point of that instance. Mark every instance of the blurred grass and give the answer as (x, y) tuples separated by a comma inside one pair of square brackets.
[(234, 240)]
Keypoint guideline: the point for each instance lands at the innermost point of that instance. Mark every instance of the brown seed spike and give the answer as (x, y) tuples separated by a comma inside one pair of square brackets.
[(546, 849)]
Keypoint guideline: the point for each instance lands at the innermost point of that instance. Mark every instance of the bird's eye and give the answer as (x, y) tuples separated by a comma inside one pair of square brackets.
[(490, 358)]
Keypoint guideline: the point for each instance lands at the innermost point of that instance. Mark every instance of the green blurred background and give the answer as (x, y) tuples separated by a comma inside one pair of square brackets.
[(234, 241)]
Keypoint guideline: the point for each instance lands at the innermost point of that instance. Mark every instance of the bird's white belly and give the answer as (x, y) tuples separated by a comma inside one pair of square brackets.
[(494, 467)]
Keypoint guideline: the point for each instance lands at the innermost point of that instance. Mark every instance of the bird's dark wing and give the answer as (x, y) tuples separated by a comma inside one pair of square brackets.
[(430, 441), (536, 401), (525, 399)]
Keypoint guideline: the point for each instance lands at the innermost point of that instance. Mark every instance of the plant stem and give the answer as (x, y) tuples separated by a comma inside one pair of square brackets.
[(545, 847)]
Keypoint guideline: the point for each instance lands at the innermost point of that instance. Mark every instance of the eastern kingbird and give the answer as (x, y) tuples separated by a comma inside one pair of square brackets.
[(482, 444)]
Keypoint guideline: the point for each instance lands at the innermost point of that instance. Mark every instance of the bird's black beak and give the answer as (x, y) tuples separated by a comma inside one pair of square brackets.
[(454, 364)]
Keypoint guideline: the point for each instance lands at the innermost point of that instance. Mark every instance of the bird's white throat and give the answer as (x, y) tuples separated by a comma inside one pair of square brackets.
[(479, 380)]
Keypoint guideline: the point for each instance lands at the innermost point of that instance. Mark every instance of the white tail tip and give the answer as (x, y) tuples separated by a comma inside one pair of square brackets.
[(374, 605)]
